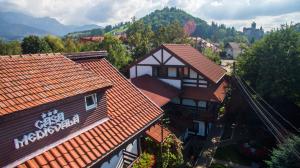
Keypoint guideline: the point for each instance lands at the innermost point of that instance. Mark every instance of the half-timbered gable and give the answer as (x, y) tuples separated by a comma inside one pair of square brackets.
[(200, 81)]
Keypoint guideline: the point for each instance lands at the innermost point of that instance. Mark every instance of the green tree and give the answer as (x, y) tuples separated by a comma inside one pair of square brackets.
[(33, 44), (139, 38), (89, 46), (210, 54), (172, 33), (272, 64), (10, 48), (70, 45), (286, 155), (117, 53), (55, 43)]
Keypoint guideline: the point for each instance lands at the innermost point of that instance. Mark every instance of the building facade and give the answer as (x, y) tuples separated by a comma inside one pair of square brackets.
[(191, 86), (73, 110)]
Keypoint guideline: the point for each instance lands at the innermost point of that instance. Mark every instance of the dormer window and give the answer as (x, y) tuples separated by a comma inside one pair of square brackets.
[(91, 101)]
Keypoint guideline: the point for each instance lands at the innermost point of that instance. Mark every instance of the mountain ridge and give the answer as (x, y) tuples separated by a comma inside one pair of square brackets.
[(43, 25)]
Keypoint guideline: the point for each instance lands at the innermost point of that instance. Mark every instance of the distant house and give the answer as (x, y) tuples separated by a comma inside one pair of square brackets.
[(232, 50), (183, 82), (71, 110), (253, 33), (91, 39), (201, 44)]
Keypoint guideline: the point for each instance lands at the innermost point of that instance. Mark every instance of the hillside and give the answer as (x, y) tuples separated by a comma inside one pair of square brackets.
[(158, 18), (32, 25), (10, 31)]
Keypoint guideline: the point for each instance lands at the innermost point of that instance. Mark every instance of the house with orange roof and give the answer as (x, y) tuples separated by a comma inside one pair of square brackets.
[(185, 83), (70, 110)]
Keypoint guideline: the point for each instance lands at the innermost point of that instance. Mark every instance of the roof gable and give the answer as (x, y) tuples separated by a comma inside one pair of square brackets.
[(196, 60), (30, 80), (129, 110)]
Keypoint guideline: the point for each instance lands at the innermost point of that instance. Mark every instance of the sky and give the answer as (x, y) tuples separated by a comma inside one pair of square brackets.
[(238, 13)]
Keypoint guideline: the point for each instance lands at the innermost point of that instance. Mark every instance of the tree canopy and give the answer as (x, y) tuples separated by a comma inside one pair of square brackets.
[(272, 64), (210, 54), (10, 48), (286, 155), (117, 53), (33, 44)]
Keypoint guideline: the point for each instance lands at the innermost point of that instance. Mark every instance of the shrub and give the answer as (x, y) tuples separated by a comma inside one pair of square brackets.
[(146, 160)]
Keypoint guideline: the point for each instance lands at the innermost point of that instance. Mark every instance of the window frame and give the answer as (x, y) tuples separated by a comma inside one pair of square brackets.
[(176, 73), (94, 98)]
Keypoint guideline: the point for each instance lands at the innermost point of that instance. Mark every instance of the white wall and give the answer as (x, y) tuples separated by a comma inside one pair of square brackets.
[(143, 70), (158, 55), (166, 55), (113, 161), (132, 72), (150, 60), (173, 82), (133, 148), (174, 61)]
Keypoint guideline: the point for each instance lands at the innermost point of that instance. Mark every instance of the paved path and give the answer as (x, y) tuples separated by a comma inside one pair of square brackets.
[(206, 155)]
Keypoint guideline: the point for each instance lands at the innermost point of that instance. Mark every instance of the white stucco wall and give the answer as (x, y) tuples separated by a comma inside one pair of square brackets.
[(133, 148), (157, 55), (150, 60), (174, 61), (143, 70), (132, 72), (166, 55)]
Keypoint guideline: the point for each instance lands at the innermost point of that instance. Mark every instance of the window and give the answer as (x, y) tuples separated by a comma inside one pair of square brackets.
[(184, 72), (202, 104), (160, 71), (172, 72), (91, 101), (155, 71), (176, 100), (188, 102), (193, 74)]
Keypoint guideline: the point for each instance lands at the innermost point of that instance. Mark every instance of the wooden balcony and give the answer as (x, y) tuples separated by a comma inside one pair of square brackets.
[(192, 113)]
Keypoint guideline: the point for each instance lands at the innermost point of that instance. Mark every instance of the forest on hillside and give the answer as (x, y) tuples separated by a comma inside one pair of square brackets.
[(159, 18)]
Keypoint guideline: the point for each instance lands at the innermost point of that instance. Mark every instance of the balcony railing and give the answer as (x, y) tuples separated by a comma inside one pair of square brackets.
[(129, 159), (193, 113)]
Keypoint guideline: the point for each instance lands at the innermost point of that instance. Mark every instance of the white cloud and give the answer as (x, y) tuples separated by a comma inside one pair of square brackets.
[(238, 13)]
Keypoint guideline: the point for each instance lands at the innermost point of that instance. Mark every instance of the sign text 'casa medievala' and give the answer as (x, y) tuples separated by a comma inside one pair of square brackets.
[(51, 122)]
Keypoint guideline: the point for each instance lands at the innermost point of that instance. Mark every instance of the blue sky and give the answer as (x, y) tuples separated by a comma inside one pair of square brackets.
[(238, 13)]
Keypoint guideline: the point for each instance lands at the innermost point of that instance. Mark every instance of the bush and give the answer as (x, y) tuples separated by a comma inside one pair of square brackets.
[(146, 160)]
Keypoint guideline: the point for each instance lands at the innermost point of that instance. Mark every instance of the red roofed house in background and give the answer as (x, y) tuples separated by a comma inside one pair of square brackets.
[(196, 86), (72, 110)]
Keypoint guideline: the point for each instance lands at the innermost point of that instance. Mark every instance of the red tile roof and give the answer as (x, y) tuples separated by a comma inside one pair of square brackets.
[(214, 93), (155, 133), (159, 92), (31, 80), (129, 111), (198, 61)]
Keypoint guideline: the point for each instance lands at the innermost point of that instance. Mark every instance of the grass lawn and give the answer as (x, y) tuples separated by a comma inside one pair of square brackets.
[(231, 153)]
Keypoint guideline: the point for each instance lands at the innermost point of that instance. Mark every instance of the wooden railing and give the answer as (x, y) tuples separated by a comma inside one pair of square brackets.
[(129, 159), (194, 113)]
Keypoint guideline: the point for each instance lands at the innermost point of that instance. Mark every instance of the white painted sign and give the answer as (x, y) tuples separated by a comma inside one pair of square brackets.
[(51, 122)]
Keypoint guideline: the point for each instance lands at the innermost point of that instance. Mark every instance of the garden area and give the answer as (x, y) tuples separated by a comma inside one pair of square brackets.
[(170, 157)]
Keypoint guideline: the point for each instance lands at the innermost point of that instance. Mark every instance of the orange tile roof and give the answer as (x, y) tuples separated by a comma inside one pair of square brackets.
[(198, 61), (129, 111), (158, 91), (155, 133), (214, 93), (31, 80)]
